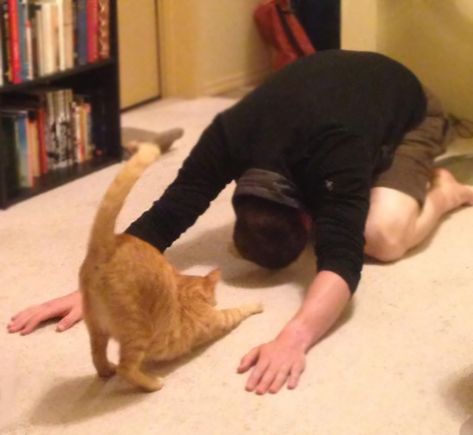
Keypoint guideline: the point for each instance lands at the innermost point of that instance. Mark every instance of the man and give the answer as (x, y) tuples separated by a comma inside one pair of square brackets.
[(316, 147)]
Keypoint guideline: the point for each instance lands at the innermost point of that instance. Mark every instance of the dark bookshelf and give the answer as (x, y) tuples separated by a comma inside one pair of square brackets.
[(100, 82)]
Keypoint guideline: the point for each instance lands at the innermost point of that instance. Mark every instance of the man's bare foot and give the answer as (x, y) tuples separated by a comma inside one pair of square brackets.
[(454, 193)]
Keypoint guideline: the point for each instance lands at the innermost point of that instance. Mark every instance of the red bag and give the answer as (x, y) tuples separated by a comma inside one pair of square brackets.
[(282, 31)]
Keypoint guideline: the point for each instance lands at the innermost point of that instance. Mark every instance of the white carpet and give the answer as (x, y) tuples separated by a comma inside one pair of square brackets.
[(401, 361)]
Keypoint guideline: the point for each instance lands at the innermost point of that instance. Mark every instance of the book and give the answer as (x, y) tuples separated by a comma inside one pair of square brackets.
[(81, 17), (61, 41), (5, 35), (68, 126), (42, 141), (52, 142), (33, 145), (92, 30), (62, 151), (15, 61), (1, 50), (104, 28), (91, 151), (9, 157), (25, 174), (22, 38), (29, 40), (78, 141), (69, 33), (40, 48), (33, 53), (49, 29), (19, 141)]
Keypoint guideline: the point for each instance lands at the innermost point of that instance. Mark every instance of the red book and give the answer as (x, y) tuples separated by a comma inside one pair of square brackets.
[(14, 41), (92, 30)]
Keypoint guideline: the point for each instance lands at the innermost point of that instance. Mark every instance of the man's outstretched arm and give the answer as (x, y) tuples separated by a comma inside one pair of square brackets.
[(282, 360)]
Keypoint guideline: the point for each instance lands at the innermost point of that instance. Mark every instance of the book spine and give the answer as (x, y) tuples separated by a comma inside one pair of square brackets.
[(68, 134), (7, 73), (9, 155), (61, 35), (7, 62), (104, 29), (22, 150), (42, 138), (59, 108), (92, 30), (47, 38), (30, 148), (52, 145), (91, 150), (33, 142), (76, 130), (75, 24), (82, 31), (54, 38), (39, 41), (1, 46), (29, 41), (22, 28), (33, 42), (69, 34), (14, 41)]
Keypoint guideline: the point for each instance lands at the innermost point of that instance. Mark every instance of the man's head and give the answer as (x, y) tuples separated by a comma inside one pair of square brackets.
[(267, 233)]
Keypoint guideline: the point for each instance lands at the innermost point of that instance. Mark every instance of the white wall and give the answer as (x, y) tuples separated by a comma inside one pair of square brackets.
[(433, 37)]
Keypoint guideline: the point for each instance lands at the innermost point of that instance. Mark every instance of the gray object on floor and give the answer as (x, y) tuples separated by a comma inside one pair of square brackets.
[(461, 166), (132, 136)]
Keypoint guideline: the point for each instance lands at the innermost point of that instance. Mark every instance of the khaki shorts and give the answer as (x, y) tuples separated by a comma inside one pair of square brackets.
[(413, 163)]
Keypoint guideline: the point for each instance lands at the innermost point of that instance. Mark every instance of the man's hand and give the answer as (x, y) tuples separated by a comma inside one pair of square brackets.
[(282, 360), (276, 363), (68, 308)]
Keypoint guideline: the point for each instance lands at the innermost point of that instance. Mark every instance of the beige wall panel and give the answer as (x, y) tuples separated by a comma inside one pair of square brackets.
[(435, 38), (359, 24), (179, 47), (432, 37), (209, 46), (138, 39), (236, 55)]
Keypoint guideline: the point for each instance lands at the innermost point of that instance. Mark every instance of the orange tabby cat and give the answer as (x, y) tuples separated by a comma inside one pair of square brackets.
[(133, 294)]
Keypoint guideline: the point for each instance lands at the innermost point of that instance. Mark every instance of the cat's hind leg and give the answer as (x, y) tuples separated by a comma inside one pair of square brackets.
[(98, 343), (132, 354)]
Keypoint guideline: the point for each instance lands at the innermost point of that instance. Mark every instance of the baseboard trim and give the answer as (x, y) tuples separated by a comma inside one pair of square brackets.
[(235, 81)]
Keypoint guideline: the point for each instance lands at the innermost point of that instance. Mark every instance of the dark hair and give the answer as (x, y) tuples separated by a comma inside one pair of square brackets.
[(270, 234)]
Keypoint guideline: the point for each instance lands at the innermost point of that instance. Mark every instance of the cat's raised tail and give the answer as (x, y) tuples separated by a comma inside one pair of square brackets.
[(102, 238)]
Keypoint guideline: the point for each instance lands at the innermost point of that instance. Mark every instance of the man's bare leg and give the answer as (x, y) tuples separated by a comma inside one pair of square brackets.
[(396, 223)]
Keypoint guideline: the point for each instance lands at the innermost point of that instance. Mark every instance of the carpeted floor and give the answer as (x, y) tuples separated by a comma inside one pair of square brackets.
[(400, 361)]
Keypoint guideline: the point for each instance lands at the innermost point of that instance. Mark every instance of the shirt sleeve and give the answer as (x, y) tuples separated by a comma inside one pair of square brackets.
[(341, 190), (205, 172)]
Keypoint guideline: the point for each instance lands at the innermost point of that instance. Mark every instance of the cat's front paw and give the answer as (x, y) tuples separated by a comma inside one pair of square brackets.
[(107, 371), (153, 384), (254, 308), (140, 379)]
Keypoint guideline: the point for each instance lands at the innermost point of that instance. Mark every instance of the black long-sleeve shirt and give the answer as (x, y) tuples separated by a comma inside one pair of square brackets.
[(327, 123)]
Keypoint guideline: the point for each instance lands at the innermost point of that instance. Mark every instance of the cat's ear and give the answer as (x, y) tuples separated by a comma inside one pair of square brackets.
[(214, 276)]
